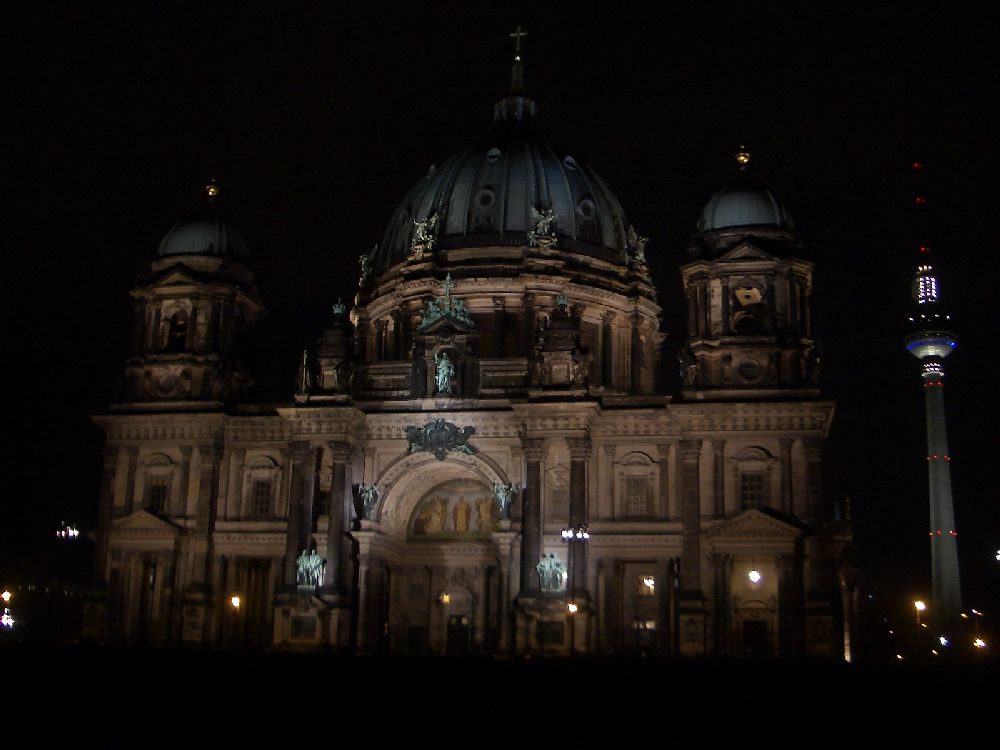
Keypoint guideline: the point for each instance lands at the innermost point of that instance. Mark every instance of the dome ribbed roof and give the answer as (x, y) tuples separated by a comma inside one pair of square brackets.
[(203, 235), (743, 203), (484, 197)]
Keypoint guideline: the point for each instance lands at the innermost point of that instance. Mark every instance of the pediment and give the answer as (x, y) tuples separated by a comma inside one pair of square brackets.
[(177, 276), (746, 251), (144, 523), (754, 525), (446, 324)]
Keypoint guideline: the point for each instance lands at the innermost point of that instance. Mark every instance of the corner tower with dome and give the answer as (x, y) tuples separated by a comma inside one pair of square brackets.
[(476, 458)]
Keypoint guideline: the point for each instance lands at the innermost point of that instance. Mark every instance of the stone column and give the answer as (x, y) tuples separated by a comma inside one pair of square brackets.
[(724, 307), (814, 479), (531, 514), (340, 453), (789, 605), (105, 503), (184, 489), (719, 479), (607, 350), (786, 475), (691, 517), (133, 465), (635, 356), (499, 326), (208, 498), (303, 457), (664, 509), (721, 601), (579, 452)]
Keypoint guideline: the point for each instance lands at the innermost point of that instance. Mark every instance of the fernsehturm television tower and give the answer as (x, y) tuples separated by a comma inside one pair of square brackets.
[(930, 341)]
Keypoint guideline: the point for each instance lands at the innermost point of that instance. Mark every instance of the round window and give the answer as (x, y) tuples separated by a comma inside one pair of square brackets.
[(749, 370), (586, 208), (485, 198), (493, 154), (569, 162)]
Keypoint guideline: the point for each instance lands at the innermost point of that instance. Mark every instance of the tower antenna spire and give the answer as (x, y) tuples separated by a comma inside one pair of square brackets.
[(930, 341)]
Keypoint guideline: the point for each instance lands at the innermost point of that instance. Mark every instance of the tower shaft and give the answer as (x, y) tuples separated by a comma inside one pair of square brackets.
[(945, 586)]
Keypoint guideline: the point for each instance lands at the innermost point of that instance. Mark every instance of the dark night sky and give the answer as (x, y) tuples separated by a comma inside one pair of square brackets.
[(317, 117)]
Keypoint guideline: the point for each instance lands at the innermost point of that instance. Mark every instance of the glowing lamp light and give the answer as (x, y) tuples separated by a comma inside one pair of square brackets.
[(979, 643), (6, 595), (754, 576), (919, 606), (943, 640), (235, 601), (571, 608), (6, 620), (649, 582), (445, 599)]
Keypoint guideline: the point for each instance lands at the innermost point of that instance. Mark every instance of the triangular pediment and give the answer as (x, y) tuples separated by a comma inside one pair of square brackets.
[(144, 524), (176, 276), (746, 251), (446, 324), (754, 525)]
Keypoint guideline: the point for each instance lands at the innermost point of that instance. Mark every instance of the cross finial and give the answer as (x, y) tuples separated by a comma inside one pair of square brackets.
[(517, 35)]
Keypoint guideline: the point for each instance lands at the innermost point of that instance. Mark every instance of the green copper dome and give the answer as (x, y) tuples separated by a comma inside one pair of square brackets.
[(203, 235), (743, 204)]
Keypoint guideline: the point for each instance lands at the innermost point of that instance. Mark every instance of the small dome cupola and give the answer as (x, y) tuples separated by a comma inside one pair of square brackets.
[(204, 234), (743, 203)]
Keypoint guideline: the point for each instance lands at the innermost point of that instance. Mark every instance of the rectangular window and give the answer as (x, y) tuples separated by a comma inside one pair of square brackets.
[(159, 491), (260, 497), (751, 489), (637, 496)]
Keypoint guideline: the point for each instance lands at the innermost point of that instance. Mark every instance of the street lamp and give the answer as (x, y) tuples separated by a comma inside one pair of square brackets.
[(6, 595), (235, 601), (574, 536), (920, 607)]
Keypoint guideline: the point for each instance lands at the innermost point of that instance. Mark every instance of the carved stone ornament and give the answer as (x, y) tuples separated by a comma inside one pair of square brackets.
[(541, 233), (366, 266), (365, 499), (424, 236), (309, 568), (504, 495), (445, 306), (439, 437), (551, 573), (635, 249)]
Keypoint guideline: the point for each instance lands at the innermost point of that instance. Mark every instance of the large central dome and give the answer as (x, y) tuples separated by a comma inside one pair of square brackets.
[(484, 196)]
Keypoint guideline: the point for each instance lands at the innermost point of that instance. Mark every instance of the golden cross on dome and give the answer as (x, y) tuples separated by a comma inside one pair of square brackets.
[(211, 190), (517, 35), (743, 157)]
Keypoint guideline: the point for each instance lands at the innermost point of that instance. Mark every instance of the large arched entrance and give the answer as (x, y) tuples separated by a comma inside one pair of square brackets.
[(433, 552)]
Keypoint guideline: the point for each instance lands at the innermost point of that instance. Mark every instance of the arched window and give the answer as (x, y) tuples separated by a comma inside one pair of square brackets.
[(260, 488), (176, 332), (159, 484), (753, 478), (636, 485)]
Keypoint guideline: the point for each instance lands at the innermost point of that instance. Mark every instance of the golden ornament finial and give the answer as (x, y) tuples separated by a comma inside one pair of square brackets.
[(211, 190), (743, 157)]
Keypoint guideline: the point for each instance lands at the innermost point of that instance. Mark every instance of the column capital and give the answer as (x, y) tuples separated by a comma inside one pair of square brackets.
[(786, 443), (341, 451), (499, 303), (110, 456), (535, 449), (579, 448), (300, 450), (690, 448), (608, 316), (133, 451), (610, 450), (813, 446), (211, 451), (718, 445), (186, 451), (720, 559)]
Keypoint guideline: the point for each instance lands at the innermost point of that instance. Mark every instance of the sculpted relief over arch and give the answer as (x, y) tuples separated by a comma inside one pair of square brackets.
[(409, 486)]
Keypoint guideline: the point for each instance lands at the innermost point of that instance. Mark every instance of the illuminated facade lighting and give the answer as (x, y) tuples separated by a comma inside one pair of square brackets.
[(754, 576)]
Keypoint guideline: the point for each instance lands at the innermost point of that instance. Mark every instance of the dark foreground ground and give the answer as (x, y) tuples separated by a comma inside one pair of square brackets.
[(108, 697)]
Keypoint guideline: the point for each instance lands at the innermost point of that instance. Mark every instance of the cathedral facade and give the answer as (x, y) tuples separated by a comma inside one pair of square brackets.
[(476, 458)]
